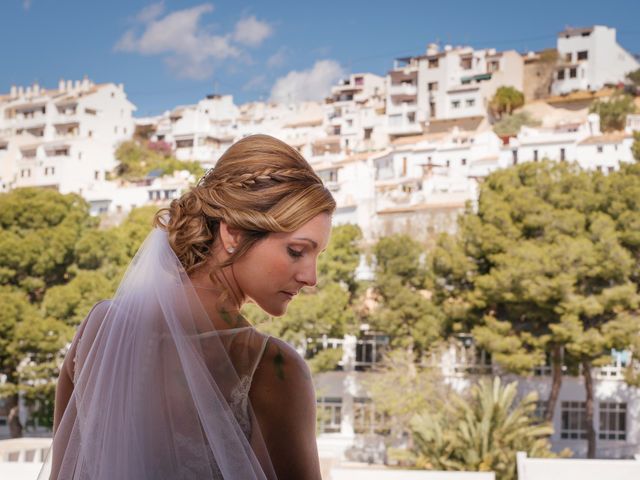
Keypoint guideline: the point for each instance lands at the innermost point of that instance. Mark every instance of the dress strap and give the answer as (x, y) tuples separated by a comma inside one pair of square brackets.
[(262, 350)]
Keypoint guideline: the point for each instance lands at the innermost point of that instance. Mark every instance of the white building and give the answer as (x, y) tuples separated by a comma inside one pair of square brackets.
[(452, 83), (62, 138), (355, 112), (589, 59)]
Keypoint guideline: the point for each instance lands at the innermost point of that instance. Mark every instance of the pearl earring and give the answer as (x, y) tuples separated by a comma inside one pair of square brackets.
[(231, 249)]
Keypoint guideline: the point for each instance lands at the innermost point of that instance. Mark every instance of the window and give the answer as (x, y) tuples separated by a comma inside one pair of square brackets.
[(366, 419), (568, 56), (535, 155), (330, 414), (432, 109), (514, 155), (466, 63), (613, 421), (573, 72), (464, 161), (455, 104), (115, 129), (90, 133), (541, 409), (599, 148), (432, 86), (448, 163), (573, 424), (433, 63), (611, 169), (96, 175), (470, 102), (561, 74), (563, 155), (583, 55), (367, 133), (90, 111), (359, 80), (493, 66)]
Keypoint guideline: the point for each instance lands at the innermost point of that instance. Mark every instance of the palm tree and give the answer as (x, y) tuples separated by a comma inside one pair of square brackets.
[(483, 432)]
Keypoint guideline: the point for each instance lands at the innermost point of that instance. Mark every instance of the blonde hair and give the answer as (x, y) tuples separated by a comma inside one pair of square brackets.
[(260, 185)]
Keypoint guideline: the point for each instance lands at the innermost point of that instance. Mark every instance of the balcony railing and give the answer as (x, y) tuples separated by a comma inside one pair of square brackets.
[(403, 89)]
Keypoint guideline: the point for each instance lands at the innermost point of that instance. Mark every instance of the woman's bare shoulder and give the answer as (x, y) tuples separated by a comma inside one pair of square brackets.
[(282, 367), (283, 399)]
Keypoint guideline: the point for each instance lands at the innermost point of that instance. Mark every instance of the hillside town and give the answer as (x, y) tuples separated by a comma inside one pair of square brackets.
[(402, 152)]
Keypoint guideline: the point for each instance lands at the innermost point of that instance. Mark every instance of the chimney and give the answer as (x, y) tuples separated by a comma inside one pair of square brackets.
[(69, 86), (61, 85), (20, 91), (85, 83), (448, 48), (36, 88), (28, 91), (76, 85), (14, 91), (432, 49)]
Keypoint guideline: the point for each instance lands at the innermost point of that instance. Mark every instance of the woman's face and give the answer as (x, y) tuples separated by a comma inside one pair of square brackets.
[(278, 266)]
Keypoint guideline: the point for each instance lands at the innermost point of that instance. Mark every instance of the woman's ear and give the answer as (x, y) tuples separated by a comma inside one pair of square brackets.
[(230, 237)]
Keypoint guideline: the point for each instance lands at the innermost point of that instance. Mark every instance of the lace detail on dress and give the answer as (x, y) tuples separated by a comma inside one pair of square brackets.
[(239, 404)]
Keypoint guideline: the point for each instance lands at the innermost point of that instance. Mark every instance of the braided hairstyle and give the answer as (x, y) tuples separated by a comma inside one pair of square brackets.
[(259, 186)]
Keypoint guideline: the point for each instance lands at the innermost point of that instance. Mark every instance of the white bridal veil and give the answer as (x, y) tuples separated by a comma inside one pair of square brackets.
[(155, 386)]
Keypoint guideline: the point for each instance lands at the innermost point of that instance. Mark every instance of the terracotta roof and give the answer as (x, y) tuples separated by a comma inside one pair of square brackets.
[(468, 123), (613, 137), (580, 95), (414, 139), (304, 123), (421, 207)]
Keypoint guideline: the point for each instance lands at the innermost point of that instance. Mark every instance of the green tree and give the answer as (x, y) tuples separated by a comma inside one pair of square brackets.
[(339, 262), (482, 433), (510, 125), (613, 112), (137, 161), (39, 229), (542, 267), (505, 101), (54, 264), (405, 311), (635, 146), (634, 77), (423, 389)]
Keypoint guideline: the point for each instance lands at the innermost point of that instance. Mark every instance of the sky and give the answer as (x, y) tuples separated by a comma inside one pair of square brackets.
[(174, 52)]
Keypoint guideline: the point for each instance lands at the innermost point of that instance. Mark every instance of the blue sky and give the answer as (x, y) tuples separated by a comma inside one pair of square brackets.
[(175, 52)]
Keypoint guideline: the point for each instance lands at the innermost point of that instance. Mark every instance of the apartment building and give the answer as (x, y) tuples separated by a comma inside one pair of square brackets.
[(590, 58), (62, 138), (350, 425), (355, 112), (200, 132), (455, 82)]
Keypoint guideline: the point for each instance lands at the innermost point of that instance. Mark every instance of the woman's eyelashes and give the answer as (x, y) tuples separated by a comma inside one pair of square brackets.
[(294, 253)]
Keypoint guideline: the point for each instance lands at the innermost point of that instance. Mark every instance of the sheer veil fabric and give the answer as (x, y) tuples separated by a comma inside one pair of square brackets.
[(155, 383)]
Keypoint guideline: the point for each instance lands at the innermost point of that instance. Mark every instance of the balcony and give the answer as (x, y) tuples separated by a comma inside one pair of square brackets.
[(403, 90)]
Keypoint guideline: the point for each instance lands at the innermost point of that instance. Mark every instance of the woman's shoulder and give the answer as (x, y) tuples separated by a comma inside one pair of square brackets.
[(281, 372)]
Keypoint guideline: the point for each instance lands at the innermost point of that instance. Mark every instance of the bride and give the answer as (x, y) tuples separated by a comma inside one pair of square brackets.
[(167, 380)]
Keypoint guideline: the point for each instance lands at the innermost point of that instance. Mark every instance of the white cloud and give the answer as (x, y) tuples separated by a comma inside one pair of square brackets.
[(150, 12), (251, 32), (189, 48), (312, 84), (279, 58)]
